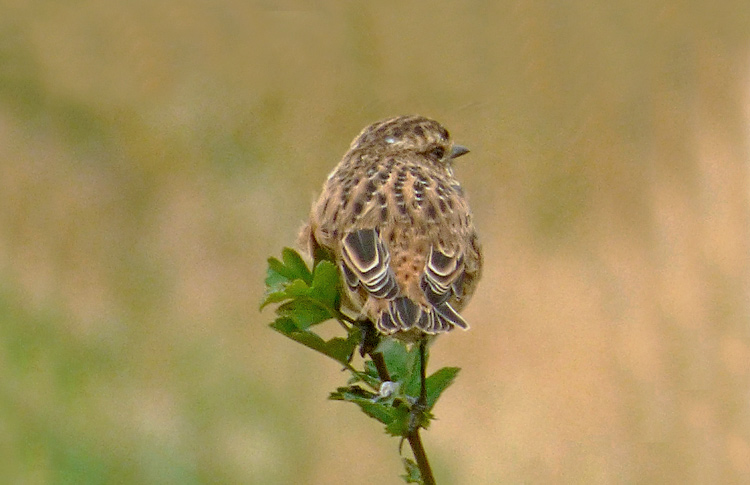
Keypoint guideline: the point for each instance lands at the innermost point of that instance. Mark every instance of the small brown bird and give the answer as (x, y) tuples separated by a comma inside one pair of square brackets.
[(397, 221)]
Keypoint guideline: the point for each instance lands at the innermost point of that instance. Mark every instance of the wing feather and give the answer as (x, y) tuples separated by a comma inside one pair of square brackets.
[(441, 273), (365, 262), (450, 317)]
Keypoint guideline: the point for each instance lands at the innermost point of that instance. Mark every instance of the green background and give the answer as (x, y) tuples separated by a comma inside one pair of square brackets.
[(154, 153)]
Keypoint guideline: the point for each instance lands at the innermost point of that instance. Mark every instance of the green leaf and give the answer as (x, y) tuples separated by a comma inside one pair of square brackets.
[(297, 288), (340, 349), (371, 370), (274, 297), (296, 265), (438, 382), (277, 278), (412, 379), (370, 374), (395, 355), (352, 394), (325, 284), (304, 312), (288, 327), (399, 425), (277, 268), (292, 280), (287, 279), (396, 417), (383, 412), (412, 475), (403, 364), (284, 326), (337, 348)]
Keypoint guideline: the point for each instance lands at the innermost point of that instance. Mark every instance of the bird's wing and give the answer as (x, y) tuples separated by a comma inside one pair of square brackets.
[(442, 279), (365, 261)]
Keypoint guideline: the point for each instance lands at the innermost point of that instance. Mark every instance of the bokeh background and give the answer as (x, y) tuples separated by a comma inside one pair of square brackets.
[(153, 154)]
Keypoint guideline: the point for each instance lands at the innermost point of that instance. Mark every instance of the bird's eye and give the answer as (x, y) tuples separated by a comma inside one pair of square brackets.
[(438, 152)]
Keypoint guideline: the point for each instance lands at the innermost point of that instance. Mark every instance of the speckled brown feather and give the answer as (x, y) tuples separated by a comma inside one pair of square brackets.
[(397, 178)]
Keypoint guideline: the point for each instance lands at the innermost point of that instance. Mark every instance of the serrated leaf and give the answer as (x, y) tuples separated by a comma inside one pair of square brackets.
[(351, 393), (284, 326), (273, 297), (304, 312), (438, 382), (340, 349), (296, 265), (288, 279), (370, 374), (371, 370), (288, 327), (395, 355), (336, 348), (325, 283), (277, 278), (275, 281), (292, 280), (278, 268), (297, 288), (383, 412), (412, 475), (399, 425)]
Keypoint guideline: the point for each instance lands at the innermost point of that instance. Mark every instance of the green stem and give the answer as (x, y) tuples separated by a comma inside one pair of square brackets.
[(414, 439)]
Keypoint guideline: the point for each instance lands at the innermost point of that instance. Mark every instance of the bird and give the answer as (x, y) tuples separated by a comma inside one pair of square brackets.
[(397, 222)]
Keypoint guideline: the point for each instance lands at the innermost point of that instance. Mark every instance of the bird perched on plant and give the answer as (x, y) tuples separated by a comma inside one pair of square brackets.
[(397, 222)]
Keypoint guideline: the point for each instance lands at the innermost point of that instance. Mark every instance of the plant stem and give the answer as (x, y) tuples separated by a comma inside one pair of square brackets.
[(379, 361), (415, 441), (423, 371)]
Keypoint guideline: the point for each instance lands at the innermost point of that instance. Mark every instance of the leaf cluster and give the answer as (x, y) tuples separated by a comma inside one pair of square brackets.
[(307, 298)]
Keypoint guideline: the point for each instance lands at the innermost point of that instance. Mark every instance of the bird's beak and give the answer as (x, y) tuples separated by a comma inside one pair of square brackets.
[(457, 151)]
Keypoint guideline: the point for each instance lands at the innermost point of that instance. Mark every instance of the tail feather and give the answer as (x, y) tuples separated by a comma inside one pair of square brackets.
[(451, 316), (403, 314)]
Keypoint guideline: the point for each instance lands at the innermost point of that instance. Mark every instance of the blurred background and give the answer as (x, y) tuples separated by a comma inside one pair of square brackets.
[(154, 154)]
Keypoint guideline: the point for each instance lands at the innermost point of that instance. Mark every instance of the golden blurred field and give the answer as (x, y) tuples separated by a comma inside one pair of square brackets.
[(154, 154)]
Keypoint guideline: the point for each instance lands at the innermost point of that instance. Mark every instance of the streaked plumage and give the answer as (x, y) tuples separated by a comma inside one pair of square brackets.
[(397, 221)]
